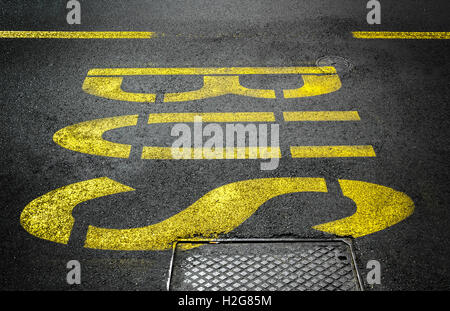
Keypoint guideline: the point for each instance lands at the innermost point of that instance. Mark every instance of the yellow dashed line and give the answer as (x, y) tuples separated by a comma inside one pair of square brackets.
[(332, 151), (212, 117), (229, 153), (77, 34), (400, 35), (293, 116)]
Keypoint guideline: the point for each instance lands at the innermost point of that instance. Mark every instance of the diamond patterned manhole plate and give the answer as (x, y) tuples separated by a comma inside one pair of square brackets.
[(265, 266)]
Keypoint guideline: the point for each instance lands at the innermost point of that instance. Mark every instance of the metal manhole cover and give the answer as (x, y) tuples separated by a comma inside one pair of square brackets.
[(342, 65), (264, 266)]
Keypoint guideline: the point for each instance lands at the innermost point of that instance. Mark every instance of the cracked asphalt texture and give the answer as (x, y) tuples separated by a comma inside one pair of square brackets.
[(399, 87)]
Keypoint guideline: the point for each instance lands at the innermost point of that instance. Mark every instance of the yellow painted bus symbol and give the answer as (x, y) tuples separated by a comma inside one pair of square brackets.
[(87, 137), (219, 211), (107, 83)]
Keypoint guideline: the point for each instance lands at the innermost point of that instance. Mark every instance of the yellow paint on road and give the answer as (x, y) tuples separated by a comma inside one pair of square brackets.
[(111, 88), (49, 217), (214, 86), (77, 34), (377, 208), (231, 117), (169, 153), (87, 137), (400, 35), (315, 85), (211, 71), (219, 211), (332, 151), (107, 82), (296, 116), (237, 153)]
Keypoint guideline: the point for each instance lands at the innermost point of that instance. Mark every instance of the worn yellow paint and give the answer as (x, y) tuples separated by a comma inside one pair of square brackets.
[(219, 211), (233, 153), (214, 86), (292, 116), (77, 34), (168, 153), (107, 82), (377, 208), (400, 35), (211, 71), (332, 151), (315, 85), (188, 117), (50, 217), (86, 137), (111, 88)]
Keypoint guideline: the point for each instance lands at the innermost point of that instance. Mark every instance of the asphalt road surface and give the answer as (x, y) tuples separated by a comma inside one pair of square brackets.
[(399, 88)]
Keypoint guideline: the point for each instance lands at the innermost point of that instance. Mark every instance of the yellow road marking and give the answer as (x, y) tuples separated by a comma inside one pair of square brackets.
[(332, 151), (315, 85), (292, 116), (400, 35), (214, 86), (211, 71), (378, 207), (219, 211), (86, 137), (167, 153), (216, 82), (239, 153), (49, 217), (111, 88), (212, 117), (77, 34)]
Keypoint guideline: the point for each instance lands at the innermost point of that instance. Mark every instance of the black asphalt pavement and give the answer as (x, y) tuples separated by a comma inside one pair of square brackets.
[(400, 89)]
